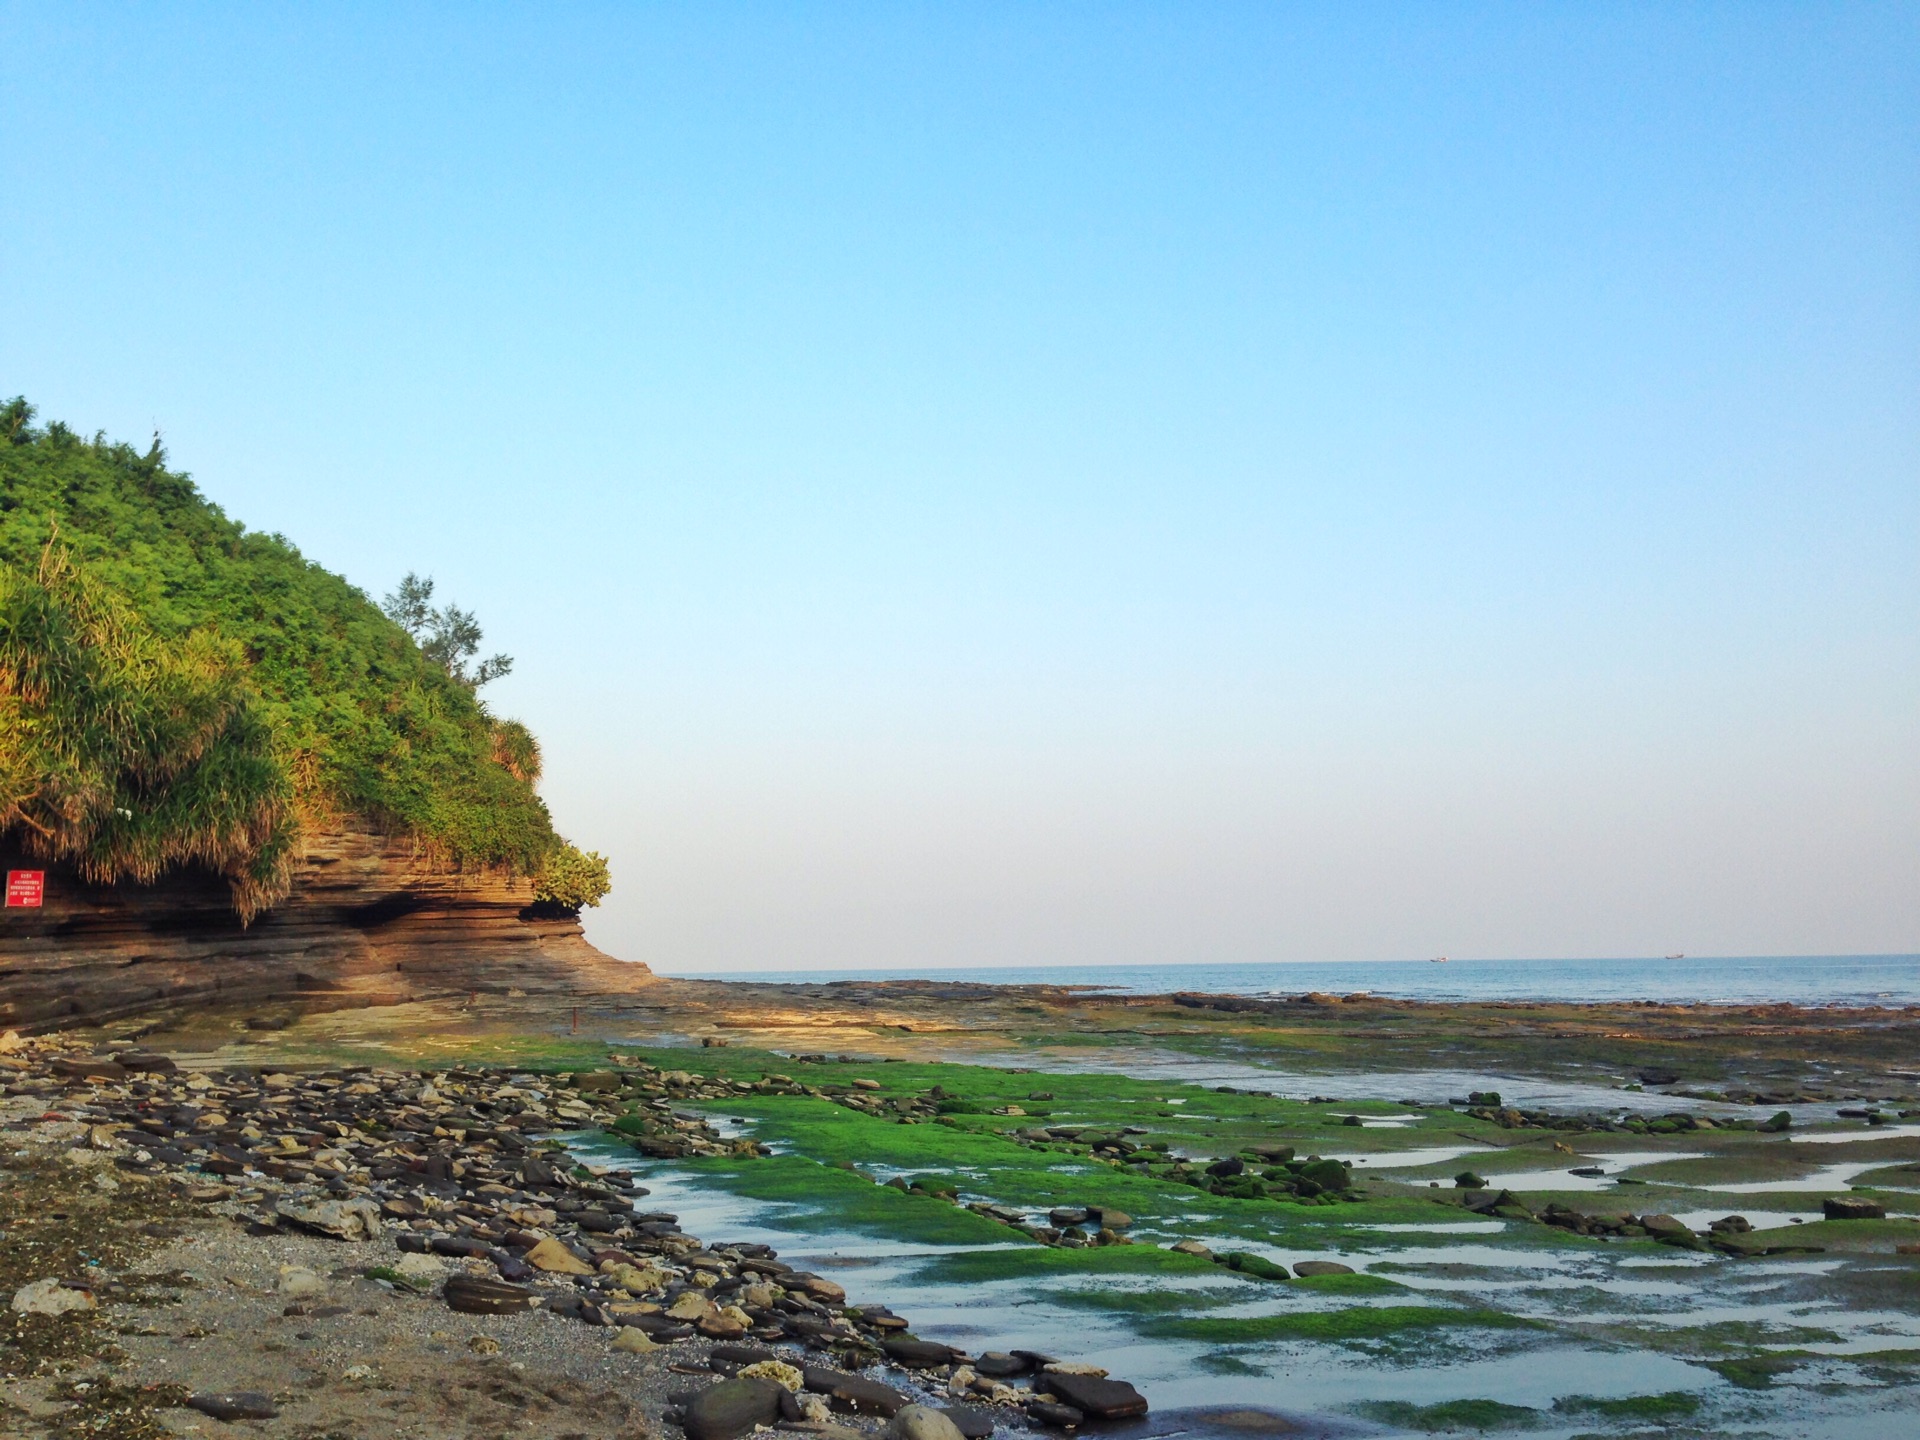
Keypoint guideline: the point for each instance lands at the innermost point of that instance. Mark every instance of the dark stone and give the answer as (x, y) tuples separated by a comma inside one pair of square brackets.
[(459, 1246), (234, 1405), (471, 1295), (854, 1392), (1250, 1264), (918, 1354), (731, 1409), (1307, 1269), (1095, 1398), (974, 1422), (1061, 1417), (998, 1365), (511, 1267), (1851, 1207), (1327, 1174), (1233, 1165)]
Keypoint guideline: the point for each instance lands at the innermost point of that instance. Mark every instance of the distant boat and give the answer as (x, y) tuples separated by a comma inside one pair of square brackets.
[(1438, 960), (1676, 957)]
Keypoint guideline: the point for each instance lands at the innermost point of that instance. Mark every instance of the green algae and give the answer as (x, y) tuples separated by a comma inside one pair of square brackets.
[(1348, 1285), (1347, 1324), (978, 1267), (824, 1198), (1145, 1302), (1670, 1405), (1475, 1415), (1753, 1372)]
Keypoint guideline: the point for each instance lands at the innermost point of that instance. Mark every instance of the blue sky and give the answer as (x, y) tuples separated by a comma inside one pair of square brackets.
[(1041, 484)]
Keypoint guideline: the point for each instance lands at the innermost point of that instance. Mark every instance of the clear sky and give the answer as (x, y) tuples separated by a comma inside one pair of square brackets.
[(1035, 483)]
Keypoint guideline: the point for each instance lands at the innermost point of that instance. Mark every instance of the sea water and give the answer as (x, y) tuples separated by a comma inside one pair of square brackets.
[(1891, 980)]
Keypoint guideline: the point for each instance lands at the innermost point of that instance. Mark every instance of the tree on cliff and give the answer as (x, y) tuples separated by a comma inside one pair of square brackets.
[(449, 637), (176, 689)]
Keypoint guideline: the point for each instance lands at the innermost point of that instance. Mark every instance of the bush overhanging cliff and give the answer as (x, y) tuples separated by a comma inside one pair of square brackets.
[(177, 689)]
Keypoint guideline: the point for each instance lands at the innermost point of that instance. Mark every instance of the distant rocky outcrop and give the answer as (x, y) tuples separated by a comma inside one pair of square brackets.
[(367, 919)]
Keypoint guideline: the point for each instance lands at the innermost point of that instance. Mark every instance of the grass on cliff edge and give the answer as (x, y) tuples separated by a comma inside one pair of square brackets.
[(301, 696)]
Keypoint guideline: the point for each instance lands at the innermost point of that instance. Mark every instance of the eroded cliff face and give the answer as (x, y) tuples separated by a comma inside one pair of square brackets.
[(367, 919)]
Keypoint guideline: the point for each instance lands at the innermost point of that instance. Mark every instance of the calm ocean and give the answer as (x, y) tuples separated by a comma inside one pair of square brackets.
[(1802, 979)]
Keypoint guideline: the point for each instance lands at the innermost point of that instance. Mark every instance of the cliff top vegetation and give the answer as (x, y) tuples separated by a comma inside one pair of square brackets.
[(178, 690)]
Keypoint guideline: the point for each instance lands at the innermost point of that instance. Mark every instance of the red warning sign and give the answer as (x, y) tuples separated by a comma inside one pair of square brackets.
[(26, 887)]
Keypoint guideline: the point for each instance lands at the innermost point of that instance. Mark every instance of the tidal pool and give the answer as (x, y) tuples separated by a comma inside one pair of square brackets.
[(1459, 1308), (1055, 1316)]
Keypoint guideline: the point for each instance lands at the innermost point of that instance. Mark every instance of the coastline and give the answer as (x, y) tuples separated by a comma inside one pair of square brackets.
[(1015, 1167)]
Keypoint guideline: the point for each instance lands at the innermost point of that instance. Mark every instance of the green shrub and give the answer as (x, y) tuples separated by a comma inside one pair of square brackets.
[(239, 691), (571, 879)]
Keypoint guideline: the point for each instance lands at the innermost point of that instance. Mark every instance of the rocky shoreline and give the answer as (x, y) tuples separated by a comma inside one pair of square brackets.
[(456, 1184)]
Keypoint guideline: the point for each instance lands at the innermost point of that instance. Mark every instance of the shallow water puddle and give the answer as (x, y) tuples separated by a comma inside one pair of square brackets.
[(1415, 1159), (1758, 1219), (1035, 1313), (1849, 1137), (1454, 1227), (1613, 1165), (1827, 1177)]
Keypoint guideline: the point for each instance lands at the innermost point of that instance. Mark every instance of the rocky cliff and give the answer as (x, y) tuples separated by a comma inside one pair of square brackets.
[(367, 918)]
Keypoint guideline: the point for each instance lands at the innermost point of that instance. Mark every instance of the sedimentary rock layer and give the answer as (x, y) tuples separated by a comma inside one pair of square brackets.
[(367, 918)]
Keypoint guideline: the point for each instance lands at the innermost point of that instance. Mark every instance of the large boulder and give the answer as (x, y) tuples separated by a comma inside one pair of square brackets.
[(731, 1409)]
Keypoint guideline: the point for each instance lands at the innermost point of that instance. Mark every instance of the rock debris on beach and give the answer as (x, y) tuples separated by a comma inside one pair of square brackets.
[(492, 1216)]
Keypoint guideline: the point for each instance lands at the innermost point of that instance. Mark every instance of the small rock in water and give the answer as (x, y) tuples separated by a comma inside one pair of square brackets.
[(999, 1364), (1852, 1207), (1191, 1247), (1075, 1367), (1061, 1417), (922, 1422), (1309, 1268), (1096, 1398)]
